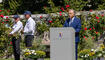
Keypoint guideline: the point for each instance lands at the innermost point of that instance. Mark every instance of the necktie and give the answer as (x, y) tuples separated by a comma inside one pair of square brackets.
[(70, 22)]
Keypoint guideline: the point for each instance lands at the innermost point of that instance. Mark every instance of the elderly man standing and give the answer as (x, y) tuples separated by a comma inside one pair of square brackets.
[(74, 22), (15, 34), (29, 29)]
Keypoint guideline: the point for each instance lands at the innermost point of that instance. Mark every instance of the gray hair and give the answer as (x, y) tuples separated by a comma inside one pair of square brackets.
[(72, 10)]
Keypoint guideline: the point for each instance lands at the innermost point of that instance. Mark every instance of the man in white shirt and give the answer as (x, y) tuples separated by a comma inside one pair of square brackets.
[(29, 29), (15, 34)]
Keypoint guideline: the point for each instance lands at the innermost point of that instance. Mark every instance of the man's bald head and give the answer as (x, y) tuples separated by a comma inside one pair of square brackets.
[(71, 13)]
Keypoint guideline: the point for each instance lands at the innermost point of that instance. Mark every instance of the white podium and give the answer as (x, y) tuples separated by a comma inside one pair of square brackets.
[(62, 46)]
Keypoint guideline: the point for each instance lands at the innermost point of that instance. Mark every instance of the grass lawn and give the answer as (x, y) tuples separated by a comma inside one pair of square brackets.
[(49, 59), (7, 59), (21, 59)]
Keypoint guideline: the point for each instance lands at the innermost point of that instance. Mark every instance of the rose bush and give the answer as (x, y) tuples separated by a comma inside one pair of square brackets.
[(93, 25), (5, 41)]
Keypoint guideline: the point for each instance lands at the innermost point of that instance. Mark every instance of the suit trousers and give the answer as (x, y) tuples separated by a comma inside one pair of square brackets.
[(76, 50), (29, 40), (16, 47)]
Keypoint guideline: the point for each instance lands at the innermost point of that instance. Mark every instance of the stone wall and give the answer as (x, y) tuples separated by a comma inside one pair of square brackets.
[(37, 16)]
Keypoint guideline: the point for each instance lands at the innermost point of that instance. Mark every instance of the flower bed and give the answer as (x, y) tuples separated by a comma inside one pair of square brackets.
[(32, 54), (89, 54)]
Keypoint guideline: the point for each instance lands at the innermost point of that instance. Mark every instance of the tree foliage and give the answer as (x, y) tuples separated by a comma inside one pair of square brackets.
[(36, 6)]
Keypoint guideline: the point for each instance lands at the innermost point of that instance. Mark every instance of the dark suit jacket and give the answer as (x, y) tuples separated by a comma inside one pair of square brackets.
[(76, 24)]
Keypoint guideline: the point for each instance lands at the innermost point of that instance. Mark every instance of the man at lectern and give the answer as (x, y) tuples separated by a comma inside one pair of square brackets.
[(74, 22)]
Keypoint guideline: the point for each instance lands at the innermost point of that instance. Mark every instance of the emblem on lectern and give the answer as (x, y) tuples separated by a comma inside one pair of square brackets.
[(60, 35)]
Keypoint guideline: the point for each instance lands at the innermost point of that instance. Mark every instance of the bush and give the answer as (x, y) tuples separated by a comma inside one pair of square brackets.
[(93, 26), (5, 41)]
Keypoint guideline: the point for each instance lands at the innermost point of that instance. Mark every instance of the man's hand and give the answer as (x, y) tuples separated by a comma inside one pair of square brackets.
[(10, 35)]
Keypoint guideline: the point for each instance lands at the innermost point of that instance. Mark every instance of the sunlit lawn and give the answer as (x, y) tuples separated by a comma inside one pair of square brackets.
[(7, 59), (21, 59)]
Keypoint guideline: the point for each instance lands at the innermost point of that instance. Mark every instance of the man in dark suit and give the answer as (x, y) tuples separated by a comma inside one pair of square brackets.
[(74, 22)]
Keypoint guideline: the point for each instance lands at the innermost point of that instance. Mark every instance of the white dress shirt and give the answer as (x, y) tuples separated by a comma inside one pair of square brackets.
[(29, 28), (17, 27), (71, 21)]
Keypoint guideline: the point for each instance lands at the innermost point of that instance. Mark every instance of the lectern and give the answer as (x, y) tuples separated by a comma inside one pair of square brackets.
[(62, 45)]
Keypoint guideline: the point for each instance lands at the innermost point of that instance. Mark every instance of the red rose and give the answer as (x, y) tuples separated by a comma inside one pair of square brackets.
[(97, 17), (96, 32), (50, 21), (60, 14), (92, 37), (90, 10), (0, 10), (3, 22), (41, 17), (93, 28), (85, 28), (84, 36), (98, 21), (102, 15), (67, 6), (11, 43), (90, 29), (6, 16), (2, 16), (62, 9)]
